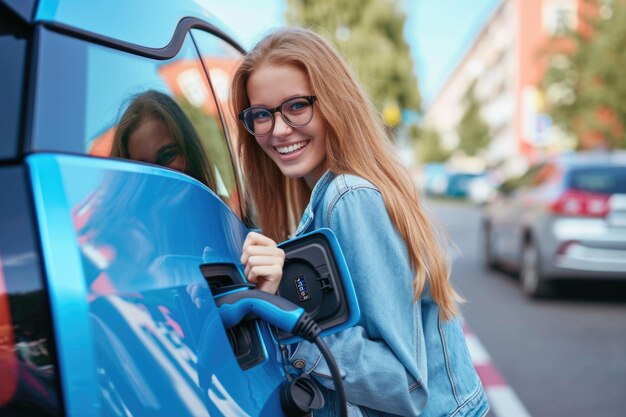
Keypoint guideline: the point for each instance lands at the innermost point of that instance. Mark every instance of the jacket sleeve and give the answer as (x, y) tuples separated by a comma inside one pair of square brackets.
[(382, 359)]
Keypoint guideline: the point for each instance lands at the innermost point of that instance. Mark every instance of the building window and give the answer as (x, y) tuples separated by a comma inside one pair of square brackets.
[(559, 16)]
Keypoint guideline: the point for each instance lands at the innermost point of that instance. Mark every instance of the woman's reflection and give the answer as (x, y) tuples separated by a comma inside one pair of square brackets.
[(155, 130)]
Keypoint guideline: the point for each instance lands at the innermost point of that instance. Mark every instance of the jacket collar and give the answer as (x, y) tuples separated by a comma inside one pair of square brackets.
[(316, 197)]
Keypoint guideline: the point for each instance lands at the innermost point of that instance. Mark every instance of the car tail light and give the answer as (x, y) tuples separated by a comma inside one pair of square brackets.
[(8, 361), (581, 203)]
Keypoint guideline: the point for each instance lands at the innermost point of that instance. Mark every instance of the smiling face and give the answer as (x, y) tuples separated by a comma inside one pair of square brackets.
[(298, 152), (153, 143)]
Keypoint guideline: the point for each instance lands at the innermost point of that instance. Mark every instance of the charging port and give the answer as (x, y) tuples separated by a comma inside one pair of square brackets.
[(244, 338)]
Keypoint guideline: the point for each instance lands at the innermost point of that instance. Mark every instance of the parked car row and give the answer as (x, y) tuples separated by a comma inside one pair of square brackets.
[(440, 181), (565, 218)]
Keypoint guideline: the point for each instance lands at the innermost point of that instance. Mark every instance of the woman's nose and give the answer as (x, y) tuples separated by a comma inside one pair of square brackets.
[(281, 127)]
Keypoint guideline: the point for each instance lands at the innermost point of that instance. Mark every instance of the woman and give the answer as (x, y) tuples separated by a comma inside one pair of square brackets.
[(154, 129), (314, 149)]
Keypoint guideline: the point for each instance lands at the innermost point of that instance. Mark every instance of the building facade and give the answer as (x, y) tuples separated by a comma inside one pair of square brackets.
[(507, 61)]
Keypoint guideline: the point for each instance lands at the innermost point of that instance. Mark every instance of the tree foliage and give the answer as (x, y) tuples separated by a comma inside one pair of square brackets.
[(585, 86), (428, 148), (472, 130), (370, 34)]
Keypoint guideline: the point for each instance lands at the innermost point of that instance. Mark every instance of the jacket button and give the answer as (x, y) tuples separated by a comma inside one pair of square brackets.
[(299, 363)]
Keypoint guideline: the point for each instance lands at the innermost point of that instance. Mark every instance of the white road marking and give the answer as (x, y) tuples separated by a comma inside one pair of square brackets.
[(504, 402)]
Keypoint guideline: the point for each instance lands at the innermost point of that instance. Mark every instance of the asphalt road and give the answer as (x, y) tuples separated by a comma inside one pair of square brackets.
[(564, 356)]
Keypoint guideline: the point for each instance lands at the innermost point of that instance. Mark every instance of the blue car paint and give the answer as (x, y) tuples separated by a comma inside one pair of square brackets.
[(146, 230), (67, 294)]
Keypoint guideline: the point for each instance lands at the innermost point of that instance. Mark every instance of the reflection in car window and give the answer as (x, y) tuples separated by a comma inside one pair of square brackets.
[(97, 85), (544, 175), (607, 180), (524, 181), (154, 129), (221, 59)]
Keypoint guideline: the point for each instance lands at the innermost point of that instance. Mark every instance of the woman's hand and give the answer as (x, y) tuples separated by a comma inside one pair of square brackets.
[(263, 261)]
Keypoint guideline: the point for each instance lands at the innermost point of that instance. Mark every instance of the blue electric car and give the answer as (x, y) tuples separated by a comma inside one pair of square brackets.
[(110, 267)]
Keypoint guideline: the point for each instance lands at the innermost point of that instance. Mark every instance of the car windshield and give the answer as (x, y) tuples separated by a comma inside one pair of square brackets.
[(607, 180)]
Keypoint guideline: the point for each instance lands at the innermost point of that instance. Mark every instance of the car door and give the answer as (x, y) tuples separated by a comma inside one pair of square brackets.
[(507, 216), (130, 250)]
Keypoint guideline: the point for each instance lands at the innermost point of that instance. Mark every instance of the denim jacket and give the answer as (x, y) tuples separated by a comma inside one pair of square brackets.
[(401, 359)]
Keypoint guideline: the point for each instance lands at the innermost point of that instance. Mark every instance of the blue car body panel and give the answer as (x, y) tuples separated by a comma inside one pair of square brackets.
[(111, 259), (122, 246), (67, 292)]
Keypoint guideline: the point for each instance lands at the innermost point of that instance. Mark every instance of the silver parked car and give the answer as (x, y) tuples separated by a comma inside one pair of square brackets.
[(565, 218)]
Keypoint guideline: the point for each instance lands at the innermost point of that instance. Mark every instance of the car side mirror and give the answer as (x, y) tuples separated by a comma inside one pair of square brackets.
[(316, 278)]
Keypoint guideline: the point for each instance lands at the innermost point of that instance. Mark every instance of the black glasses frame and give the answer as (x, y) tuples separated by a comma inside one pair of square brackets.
[(242, 117)]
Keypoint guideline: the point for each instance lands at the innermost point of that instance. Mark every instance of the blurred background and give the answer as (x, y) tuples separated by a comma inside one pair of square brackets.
[(479, 85), (510, 114)]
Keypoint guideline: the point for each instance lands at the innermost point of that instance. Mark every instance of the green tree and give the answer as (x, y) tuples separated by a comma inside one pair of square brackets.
[(428, 147), (370, 34), (472, 130), (585, 87)]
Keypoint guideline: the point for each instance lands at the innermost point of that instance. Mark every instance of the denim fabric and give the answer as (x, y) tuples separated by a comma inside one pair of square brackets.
[(401, 359)]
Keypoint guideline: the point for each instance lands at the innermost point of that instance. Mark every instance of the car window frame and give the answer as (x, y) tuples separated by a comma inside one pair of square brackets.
[(48, 36)]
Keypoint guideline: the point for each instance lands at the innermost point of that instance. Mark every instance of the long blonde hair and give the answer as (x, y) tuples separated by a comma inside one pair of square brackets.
[(356, 144)]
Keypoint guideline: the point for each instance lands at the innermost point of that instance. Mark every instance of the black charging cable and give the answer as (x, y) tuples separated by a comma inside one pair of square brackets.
[(334, 371), (310, 331)]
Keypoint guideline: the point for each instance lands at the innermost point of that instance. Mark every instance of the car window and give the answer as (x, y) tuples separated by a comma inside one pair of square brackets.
[(221, 59), (526, 180), (12, 73), (607, 180), (547, 174), (118, 104)]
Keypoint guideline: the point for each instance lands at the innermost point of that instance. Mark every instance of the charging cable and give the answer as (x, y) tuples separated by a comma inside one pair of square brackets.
[(247, 303)]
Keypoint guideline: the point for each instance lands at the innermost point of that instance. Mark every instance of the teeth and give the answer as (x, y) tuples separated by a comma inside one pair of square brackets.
[(291, 148)]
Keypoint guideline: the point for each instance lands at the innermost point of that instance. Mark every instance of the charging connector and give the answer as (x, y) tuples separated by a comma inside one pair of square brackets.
[(277, 311)]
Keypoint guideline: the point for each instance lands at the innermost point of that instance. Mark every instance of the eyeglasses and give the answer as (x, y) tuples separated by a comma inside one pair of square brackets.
[(296, 112)]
